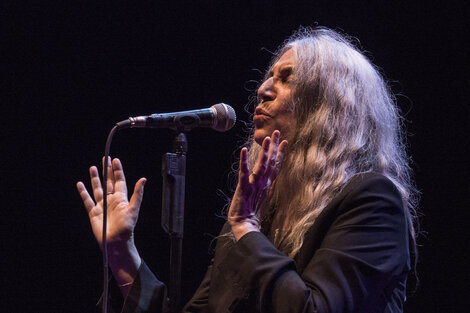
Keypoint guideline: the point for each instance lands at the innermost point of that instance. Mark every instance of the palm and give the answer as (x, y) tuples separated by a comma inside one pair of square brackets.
[(118, 226)]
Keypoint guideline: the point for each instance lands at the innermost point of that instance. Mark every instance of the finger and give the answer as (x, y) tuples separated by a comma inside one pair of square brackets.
[(273, 147), (110, 180), (119, 178), (87, 200), (138, 194), (260, 167), (279, 157), (244, 171), (96, 184), (281, 151)]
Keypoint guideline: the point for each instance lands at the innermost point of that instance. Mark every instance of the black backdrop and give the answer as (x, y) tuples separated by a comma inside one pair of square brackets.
[(73, 68)]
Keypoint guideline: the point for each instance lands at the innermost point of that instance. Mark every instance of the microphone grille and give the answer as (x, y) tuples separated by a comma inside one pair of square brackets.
[(225, 117)]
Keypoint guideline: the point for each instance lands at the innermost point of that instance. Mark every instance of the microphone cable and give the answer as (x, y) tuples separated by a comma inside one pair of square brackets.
[(105, 220)]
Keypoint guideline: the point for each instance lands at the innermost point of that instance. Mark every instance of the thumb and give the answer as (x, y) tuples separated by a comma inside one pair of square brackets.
[(138, 194)]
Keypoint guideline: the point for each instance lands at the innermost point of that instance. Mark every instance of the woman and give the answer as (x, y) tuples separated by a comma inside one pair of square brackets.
[(326, 231)]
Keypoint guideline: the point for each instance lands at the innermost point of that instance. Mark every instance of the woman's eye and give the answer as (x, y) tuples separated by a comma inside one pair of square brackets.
[(285, 74)]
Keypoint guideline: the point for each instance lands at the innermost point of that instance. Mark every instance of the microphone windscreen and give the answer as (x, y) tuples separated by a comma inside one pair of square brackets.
[(225, 117)]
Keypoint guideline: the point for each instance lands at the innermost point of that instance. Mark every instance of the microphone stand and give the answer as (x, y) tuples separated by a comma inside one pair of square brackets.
[(174, 173)]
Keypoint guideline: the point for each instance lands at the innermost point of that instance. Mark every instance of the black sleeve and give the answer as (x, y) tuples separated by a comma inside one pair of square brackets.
[(199, 303), (147, 294), (200, 300), (363, 251)]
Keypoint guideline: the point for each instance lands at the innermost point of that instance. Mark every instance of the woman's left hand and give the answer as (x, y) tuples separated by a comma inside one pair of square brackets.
[(253, 187)]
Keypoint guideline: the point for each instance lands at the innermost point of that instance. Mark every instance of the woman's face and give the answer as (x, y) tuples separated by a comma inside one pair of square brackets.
[(274, 111)]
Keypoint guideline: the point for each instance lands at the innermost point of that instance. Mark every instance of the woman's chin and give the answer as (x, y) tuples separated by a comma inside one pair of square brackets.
[(259, 135)]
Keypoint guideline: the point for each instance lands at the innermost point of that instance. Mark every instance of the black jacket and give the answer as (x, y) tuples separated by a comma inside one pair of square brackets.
[(355, 258)]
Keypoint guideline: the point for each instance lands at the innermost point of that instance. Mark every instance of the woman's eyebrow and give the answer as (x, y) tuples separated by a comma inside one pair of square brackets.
[(282, 69)]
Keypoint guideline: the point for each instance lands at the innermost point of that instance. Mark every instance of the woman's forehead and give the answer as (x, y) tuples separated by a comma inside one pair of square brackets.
[(285, 60)]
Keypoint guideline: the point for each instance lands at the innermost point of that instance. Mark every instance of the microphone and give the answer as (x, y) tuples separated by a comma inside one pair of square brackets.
[(220, 117)]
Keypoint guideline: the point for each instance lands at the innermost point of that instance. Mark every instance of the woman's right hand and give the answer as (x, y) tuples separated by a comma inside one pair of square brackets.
[(122, 217)]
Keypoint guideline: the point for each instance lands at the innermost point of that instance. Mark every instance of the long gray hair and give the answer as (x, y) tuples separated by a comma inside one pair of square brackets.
[(347, 123)]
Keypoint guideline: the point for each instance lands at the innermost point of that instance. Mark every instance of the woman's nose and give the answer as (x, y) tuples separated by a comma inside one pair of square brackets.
[(266, 90)]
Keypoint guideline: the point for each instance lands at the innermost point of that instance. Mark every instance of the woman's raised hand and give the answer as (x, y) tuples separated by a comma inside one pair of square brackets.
[(122, 214), (124, 258), (253, 187)]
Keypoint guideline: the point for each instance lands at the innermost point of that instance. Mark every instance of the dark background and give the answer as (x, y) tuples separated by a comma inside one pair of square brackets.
[(71, 69)]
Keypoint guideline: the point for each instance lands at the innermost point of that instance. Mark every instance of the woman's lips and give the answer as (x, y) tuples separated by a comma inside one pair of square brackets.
[(260, 111), (260, 119)]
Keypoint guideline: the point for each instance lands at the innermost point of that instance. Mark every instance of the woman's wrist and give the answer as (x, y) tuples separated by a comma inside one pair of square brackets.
[(124, 261), (240, 229)]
